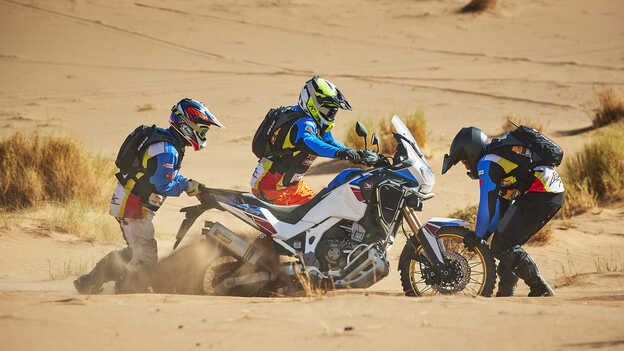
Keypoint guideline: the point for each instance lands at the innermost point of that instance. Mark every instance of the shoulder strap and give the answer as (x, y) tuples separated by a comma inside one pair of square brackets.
[(157, 137)]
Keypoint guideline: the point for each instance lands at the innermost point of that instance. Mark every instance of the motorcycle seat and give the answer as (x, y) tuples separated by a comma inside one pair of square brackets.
[(288, 214)]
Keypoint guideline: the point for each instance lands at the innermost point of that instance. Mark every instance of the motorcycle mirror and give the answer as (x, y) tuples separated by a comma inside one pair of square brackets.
[(375, 141), (361, 131)]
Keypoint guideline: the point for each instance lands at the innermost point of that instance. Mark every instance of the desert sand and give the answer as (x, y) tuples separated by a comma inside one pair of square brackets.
[(96, 69)]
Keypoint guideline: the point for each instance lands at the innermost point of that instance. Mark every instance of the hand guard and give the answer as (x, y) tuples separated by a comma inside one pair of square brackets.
[(368, 157), (349, 154), (194, 188)]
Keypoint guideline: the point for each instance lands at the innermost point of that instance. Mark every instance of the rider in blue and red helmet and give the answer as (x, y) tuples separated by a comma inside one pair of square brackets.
[(142, 190)]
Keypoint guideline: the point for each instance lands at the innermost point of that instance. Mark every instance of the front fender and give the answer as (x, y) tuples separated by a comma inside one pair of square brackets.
[(429, 230)]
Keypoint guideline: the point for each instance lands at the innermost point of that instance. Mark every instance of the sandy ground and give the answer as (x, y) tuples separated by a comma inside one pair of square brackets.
[(96, 69)]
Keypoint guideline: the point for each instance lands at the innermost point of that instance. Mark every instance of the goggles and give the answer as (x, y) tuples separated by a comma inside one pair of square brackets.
[(201, 131), (328, 112)]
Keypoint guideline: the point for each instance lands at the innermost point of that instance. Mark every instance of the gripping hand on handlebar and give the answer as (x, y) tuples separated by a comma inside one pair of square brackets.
[(368, 157), (349, 154)]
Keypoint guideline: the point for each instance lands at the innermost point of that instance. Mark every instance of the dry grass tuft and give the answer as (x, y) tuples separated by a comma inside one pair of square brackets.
[(542, 237), (67, 268), (478, 6), (610, 264), (468, 214), (415, 122), (35, 169), (508, 126), (595, 174), (311, 287), (6, 220), (610, 108), (57, 172)]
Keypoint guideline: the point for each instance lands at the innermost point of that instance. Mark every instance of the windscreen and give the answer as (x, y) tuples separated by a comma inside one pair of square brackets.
[(418, 166)]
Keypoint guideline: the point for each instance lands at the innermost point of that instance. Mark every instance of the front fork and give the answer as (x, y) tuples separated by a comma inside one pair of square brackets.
[(433, 248)]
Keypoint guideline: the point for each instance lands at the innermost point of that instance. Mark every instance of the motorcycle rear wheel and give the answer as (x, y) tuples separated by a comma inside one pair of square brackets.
[(227, 267), (477, 270)]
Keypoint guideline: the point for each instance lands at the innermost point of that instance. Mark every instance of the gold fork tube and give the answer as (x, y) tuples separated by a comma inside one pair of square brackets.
[(412, 220)]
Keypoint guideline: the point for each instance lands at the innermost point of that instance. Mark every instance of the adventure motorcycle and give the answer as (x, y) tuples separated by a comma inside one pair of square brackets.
[(341, 238)]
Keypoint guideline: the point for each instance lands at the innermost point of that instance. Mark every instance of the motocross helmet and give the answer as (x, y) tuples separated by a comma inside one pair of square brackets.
[(320, 99), (192, 120), (468, 145)]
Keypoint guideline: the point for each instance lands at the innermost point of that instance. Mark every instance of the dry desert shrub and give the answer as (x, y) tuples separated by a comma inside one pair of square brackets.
[(478, 6), (57, 172), (415, 122), (57, 169), (542, 237), (595, 174), (610, 108), (468, 214)]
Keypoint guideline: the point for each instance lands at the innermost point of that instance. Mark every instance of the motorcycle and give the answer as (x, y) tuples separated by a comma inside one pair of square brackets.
[(341, 238)]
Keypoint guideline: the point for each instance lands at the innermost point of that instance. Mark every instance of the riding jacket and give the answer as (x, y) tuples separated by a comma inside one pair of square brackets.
[(301, 141), (505, 175), (157, 179)]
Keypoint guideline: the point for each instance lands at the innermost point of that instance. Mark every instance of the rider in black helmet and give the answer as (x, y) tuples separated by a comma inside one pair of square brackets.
[(516, 201)]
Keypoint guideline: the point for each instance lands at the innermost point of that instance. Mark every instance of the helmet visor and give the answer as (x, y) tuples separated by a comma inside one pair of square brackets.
[(447, 163)]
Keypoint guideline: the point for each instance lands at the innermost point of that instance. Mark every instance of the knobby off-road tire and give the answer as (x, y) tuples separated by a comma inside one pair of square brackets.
[(224, 267), (480, 263)]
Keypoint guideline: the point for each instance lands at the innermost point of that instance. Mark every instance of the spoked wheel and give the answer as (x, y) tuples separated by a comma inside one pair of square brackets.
[(465, 272), (226, 275), (216, 272)]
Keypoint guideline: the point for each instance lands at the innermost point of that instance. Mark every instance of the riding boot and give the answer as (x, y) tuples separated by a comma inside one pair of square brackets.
[(507, 280), (110, 267), (526, 269)]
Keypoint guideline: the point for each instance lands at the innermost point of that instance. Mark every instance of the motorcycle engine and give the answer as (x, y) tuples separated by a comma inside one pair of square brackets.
[(337, 242)]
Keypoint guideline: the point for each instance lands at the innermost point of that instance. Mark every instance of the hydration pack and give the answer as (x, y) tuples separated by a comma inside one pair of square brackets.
[(263, 144), (544, 152), (128, 158)]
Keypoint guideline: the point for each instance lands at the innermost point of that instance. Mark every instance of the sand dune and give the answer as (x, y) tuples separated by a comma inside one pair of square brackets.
[(96, 69)]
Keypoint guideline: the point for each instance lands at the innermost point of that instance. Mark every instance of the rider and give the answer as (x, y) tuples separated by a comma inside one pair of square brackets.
[(141, 192), (278, 178), (516, 201)]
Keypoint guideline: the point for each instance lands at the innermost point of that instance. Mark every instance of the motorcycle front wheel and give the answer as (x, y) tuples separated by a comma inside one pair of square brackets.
[(466, 272)]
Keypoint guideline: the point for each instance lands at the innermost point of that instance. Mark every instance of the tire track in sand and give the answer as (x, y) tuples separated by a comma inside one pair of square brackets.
[(378, 44), (400, 81), (168, 43)]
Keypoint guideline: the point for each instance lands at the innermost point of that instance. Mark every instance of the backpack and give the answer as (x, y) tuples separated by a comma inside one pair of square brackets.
[(545, 152), (128, 157), (264, 139)]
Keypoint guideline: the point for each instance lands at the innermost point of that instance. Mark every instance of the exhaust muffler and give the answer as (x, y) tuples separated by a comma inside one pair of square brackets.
[(231, 242)]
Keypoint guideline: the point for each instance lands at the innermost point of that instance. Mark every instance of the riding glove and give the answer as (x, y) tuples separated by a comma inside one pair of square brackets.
[(194, 187), (349, 154)]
